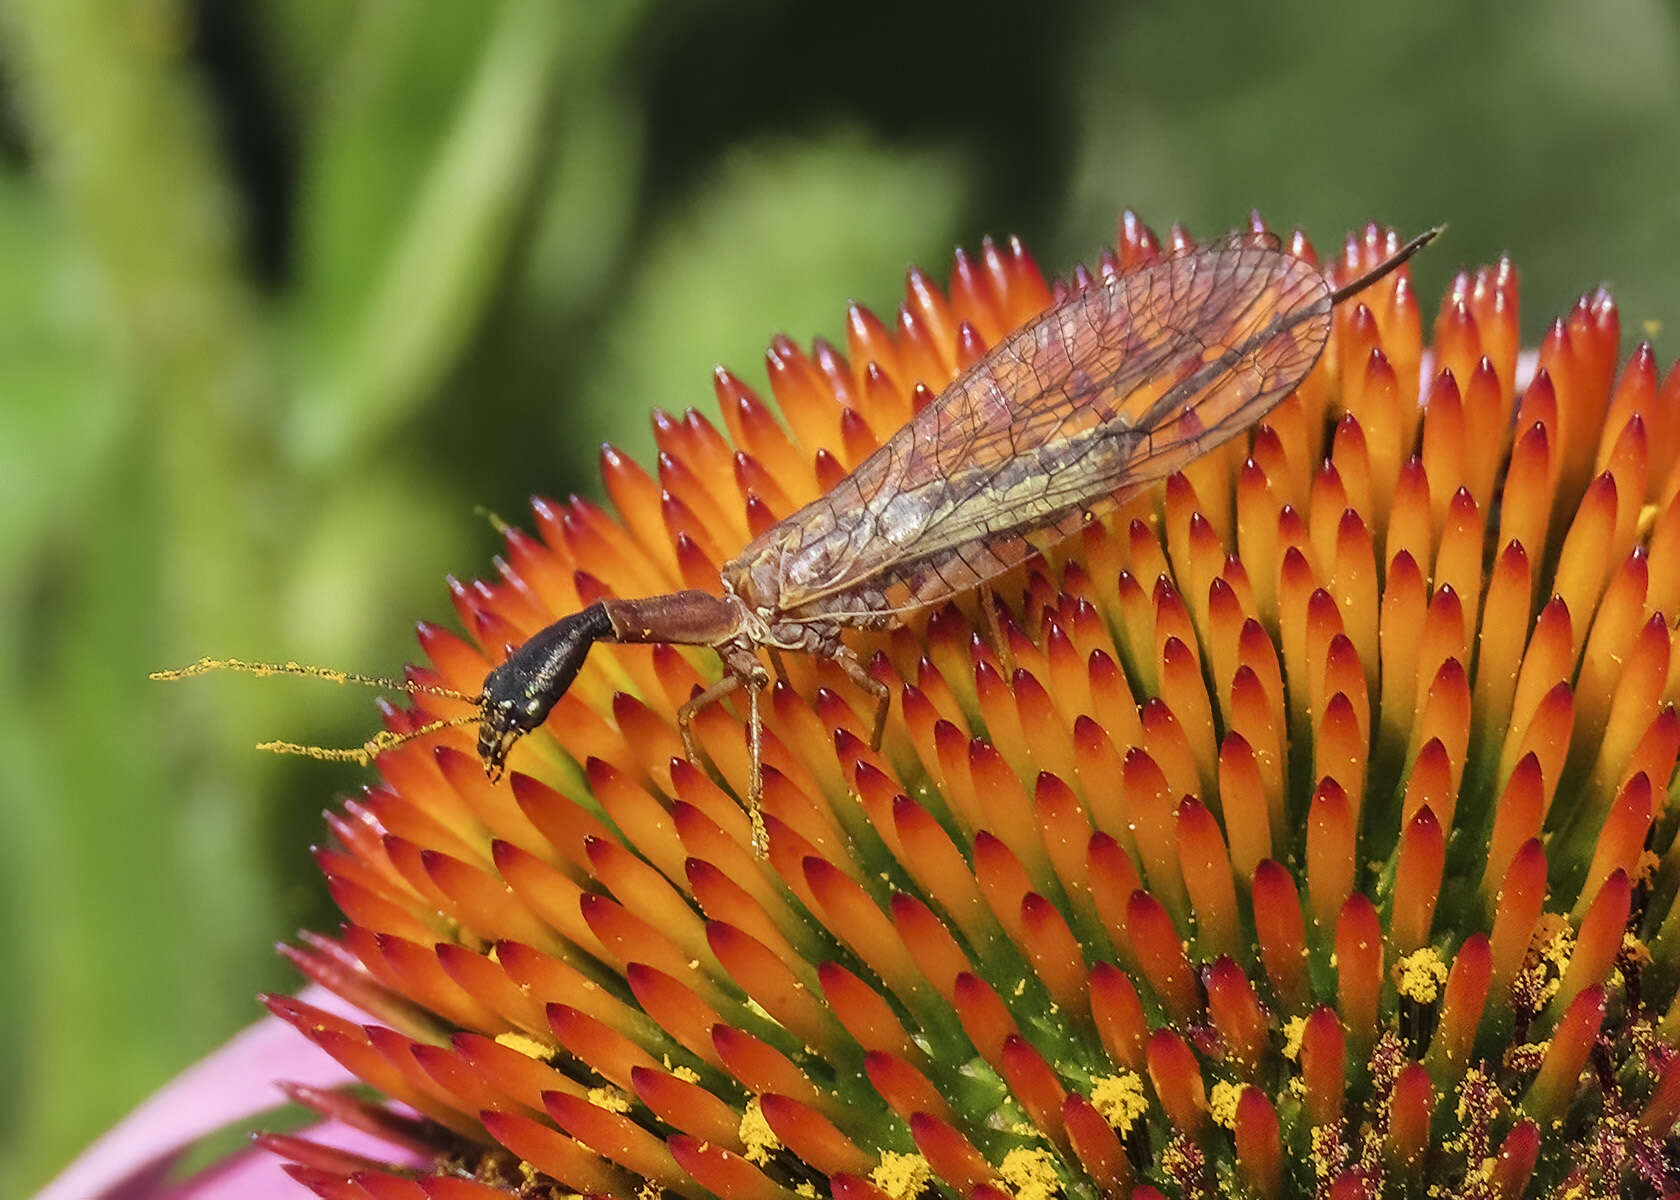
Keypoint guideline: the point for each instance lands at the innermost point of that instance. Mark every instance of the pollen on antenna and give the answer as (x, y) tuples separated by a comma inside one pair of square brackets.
[(207, 666)]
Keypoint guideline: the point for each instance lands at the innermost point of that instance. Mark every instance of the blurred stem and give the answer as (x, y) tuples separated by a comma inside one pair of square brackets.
[(128, 151), (449, 255), (125, 146)]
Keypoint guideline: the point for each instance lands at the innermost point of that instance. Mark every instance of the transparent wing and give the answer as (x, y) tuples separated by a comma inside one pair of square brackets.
[(1115, 388)]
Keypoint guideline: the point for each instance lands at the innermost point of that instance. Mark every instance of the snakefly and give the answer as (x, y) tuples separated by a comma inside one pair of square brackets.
[(1117, 386)]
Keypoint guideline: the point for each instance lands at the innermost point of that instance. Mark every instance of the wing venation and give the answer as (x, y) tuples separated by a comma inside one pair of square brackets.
[(1113, 389)]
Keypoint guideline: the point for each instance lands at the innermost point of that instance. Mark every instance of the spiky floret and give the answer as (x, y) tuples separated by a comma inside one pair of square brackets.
[(1304, 829)]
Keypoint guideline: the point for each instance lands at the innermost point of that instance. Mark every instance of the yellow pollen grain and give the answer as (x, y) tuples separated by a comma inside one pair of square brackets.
[(1525, 1057), (609, 1098), (1553, 940), (1420, 974), (1119, 1099), (1293, 1029), (901, 1176), (756, 1135), (1030, 1172), (526, 1045), (1222, 1102), (686, 1074), (650, 1191), (807, 1189), (1635, 950), (1174, 1160), (1476, 1084), (1326, 1144)]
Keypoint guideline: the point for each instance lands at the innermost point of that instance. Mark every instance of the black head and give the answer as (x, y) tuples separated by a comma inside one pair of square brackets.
[(517, 695)]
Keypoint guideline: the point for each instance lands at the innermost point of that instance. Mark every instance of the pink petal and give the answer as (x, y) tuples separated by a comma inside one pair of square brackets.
[(234, 1083), (257, 1173)]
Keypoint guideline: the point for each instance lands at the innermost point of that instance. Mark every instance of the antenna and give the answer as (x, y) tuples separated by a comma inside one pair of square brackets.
[(1388, 264), (376, 745), (206, 666), (369, 750)]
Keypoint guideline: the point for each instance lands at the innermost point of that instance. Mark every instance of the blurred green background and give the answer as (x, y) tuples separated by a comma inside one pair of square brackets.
[(288, 289)]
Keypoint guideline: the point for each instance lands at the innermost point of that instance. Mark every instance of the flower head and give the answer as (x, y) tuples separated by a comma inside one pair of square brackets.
[(1298, 827)]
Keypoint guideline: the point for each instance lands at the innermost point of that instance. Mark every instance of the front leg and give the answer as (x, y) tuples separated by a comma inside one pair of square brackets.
[(755, 785), (685, 715), (741, 669)]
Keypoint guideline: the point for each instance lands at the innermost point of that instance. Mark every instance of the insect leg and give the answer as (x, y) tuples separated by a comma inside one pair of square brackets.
[(755, 788), (856, 672), (994, 630), (685, 714), (741, 669)]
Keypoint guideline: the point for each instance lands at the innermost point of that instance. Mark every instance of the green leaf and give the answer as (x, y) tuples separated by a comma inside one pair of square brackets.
[(772, 243)]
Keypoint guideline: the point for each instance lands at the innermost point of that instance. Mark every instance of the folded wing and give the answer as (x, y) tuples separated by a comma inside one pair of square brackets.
[(1115, 388)]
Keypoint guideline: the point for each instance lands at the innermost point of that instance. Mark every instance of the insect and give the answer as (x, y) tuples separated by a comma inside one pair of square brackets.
[(1114, 388)]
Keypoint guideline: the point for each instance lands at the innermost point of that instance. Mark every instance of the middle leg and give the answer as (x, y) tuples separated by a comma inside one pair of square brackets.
[(855, 671)]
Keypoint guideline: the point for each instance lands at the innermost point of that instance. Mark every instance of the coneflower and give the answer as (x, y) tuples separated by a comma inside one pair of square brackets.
[(1299, 828)]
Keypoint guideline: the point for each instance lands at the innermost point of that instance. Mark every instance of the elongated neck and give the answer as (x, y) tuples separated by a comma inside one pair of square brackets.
[(689, 618)]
